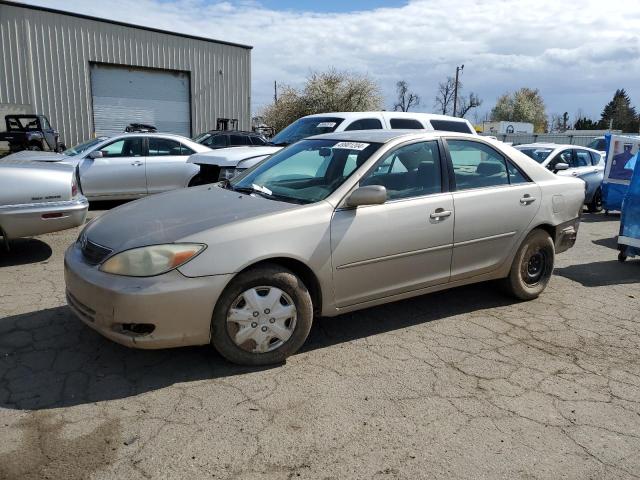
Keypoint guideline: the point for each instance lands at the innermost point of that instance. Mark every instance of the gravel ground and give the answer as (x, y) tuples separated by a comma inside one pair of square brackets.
[(459, 384)]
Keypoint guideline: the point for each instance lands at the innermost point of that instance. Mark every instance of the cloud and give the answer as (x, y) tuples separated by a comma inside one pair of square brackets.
[(576, 55)]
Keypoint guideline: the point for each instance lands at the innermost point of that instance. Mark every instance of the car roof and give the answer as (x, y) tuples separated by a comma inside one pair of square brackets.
[(235, 132), (426, 116), (384, 136), (555, 146)]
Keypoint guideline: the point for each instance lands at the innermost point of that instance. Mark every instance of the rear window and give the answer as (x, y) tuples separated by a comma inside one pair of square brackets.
[(238, 140), (257, 140), (405, 124), (595, 158), (451, 126)]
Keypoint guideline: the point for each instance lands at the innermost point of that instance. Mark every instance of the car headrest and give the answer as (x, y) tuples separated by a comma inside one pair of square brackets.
[(490, 168)]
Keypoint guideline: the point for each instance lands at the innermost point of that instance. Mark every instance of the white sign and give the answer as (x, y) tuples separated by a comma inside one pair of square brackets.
[(351, 145), (326, 125)]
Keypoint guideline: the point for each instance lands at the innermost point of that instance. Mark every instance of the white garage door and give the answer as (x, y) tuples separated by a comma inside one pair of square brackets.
[(123, 95)]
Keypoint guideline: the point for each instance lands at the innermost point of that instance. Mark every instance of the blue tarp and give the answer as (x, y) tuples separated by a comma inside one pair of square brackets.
[(621, 163), (630, 217)]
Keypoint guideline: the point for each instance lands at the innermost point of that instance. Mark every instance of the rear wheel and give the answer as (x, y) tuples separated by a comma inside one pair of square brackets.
[(596, 203), (532, 266), (262, 317)]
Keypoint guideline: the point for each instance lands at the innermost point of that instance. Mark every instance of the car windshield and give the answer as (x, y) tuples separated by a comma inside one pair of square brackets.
[(306, 172), (306, 127), (83, 147), (538, 154)]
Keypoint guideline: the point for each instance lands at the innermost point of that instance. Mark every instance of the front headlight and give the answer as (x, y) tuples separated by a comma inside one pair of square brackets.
[(151, 260)]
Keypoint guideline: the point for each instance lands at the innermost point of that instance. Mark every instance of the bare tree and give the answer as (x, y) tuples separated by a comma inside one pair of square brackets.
[(444, 98), (406, 99), (468, 103)]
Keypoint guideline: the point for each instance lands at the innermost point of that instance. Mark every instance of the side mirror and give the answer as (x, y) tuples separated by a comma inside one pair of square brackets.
[(96, 154), (369, 195), (560, 166)]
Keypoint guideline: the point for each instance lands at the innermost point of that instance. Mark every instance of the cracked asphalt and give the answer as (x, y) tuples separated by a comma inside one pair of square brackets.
[(460, 384)]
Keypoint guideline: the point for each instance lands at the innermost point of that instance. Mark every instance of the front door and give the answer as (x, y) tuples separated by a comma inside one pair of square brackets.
[(403, 244), (120, 172), (494, 204)]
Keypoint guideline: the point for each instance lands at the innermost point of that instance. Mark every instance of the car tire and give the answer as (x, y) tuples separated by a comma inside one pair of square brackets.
[(532, 266), (595, 206), (239, 298)]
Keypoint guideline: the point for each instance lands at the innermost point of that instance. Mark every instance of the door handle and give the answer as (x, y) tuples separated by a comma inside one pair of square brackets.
[(137, 163), (440, 213), (527, 199)]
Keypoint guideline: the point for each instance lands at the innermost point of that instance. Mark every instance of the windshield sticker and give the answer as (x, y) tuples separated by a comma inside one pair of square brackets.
[(326, 125), (351, 145)]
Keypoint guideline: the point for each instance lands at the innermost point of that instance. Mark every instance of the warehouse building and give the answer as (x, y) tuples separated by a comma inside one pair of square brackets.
[(91, 76)]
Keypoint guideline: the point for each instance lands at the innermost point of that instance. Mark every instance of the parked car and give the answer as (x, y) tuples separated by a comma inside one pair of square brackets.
[(128, 166), (581, 162), (140, 128), (38, 198), (331, 224), (220, 164), (599, 144), (30, 132), (216, 139)]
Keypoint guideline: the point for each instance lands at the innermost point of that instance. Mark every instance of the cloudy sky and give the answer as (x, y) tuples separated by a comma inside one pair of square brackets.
[(576, 53)]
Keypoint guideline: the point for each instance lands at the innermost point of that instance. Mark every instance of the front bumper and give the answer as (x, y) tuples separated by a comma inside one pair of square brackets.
[(179, 308), (40, 218)]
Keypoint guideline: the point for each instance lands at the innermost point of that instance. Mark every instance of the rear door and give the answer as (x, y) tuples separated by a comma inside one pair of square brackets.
[(120, 172), (399, 246), (494, 204), (166, 165)]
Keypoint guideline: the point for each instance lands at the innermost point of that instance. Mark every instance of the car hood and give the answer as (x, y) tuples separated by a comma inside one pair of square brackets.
[(171, 216), (229, 157)]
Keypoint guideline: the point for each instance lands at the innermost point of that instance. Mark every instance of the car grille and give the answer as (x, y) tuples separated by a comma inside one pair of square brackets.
[(94, 253)]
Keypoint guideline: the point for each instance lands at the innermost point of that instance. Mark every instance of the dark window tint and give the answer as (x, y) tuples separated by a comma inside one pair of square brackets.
[(365, 124), (237, 140), (409, 171), (450, 126), (163, 147), (595, 158), (477, 165), (515, 175), (216, 141), (582, 158), (184, 150), (598, 144), (129, 147), (255, 140), (405, 124)]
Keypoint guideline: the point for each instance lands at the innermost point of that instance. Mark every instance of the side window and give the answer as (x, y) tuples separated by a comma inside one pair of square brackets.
[(255, 140), (238, 140), (450, 126), (184, 150), (477, 165), (216, 141), (583, 159), (563, 157), (410, 171), (45, 123), (595, 158), (405, 124), (365, 124), (515, 175), (163, 147), (127, 147)]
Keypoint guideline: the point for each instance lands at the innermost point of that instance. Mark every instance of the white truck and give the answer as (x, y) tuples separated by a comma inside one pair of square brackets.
[(226, 163)]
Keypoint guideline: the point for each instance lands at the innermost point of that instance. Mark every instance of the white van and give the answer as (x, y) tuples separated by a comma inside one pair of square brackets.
[(225, 163)]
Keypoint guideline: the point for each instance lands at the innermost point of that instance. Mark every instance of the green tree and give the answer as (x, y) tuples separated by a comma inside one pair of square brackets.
[(584, 123), (619, 114), (331, 91), (524, 105)]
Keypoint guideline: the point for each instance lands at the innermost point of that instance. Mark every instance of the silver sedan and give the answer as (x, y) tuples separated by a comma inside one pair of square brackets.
[(329, 225), (128, 166)]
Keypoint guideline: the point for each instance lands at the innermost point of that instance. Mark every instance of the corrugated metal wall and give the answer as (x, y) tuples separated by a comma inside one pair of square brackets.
[(46, 58)]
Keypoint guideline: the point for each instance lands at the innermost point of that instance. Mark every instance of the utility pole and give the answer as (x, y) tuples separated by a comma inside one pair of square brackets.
[(455, 90), (275, 91)]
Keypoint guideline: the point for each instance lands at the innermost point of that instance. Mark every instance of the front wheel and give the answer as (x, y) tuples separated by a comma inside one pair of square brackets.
[(532, 266), (262, 317)]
